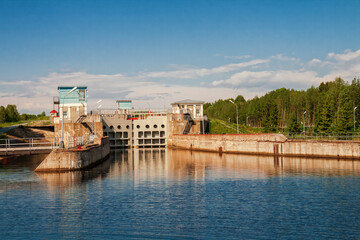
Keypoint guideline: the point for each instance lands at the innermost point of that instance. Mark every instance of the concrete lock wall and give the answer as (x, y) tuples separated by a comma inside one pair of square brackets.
[(177, 124), (266, 144), (91, 125), (74, 159)]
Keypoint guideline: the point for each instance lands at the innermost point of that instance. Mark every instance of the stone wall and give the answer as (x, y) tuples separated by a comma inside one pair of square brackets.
[(76, 159), (266, 144)]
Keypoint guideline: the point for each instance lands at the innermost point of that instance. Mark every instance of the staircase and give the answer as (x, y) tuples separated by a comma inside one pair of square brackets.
[(81, 119), (190, 122)]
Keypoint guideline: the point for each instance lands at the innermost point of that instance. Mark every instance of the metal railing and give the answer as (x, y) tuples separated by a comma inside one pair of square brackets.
[(350, 136), (32, 144), (71, 142)]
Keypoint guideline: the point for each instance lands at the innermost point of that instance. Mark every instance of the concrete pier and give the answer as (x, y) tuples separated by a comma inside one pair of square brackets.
[(267, 144), (61, 160)]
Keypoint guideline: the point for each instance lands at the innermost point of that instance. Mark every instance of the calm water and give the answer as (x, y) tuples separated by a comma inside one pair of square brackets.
[(180, 194)]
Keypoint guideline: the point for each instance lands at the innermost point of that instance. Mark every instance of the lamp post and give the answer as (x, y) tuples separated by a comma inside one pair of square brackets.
[(98, 103), (354, 117), (304, 122), (62, 122), (237, 116)]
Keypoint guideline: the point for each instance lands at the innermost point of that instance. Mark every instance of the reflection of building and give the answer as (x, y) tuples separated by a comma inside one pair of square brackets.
[(194, 107), (72, 104)]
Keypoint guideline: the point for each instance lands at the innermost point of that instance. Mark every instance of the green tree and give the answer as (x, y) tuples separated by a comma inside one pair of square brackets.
[(294, 125), (271, 117), (12, 114), (2, 114), (325, 117), (345, 112)]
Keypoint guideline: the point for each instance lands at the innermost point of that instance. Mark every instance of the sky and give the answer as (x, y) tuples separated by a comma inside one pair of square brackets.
[(155, 52)]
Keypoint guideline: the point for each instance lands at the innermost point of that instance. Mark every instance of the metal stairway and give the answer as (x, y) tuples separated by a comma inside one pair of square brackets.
[(81, 119), (190, 122)]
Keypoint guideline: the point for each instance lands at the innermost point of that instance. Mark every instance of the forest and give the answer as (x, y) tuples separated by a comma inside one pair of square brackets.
[(10, 114), (330, 107)]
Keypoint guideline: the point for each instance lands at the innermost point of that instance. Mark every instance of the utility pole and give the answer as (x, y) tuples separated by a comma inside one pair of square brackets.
[(354, 118), (304, 123), (237, 116)]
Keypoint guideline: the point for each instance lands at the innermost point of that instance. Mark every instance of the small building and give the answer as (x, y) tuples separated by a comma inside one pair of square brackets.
[(124, 106), (72, 102), (53, 114), (193, 107)]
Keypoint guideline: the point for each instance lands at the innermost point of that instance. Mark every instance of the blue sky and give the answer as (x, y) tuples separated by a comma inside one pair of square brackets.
[(161, 51)]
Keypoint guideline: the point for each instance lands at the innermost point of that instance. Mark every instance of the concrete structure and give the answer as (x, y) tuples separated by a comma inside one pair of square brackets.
[(194, 107), (266, 144), (89, 128), (139, 129), (118, 127), (76, 159), (72, 105)]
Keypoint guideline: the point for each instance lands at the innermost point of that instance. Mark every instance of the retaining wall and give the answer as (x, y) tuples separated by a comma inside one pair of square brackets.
[(266, 144), (60, 160)]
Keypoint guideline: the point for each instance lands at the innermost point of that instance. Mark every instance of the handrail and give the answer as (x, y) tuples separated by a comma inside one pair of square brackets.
[(10, 144), (354, 136)]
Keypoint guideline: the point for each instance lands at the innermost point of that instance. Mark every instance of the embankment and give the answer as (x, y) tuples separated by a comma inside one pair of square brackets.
[(267, 144), (61, 160)]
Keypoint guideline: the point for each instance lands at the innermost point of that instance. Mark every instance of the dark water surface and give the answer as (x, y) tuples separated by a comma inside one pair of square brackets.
[(168, 194)]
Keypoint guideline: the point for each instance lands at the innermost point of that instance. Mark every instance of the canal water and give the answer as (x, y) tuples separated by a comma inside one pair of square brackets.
[(173, 194)]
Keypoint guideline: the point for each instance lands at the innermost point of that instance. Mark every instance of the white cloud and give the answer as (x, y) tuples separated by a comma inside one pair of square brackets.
[(238, 57), (201, 72), (348, 55), (249, 78), (17, 83), (269, 79), (284, 58)]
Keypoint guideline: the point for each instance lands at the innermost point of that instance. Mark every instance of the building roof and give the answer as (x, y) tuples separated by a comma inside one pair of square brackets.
[(71, 87), (53, 111), (123, 100), (188, 101)]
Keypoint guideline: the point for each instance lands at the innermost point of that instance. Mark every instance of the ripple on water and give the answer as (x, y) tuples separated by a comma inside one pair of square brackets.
[(178, 194)]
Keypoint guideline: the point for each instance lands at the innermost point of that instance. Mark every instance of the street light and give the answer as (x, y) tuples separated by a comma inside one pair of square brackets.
[(354, 117), (62, 122), (304, 122), (237, 116), (98, 103)]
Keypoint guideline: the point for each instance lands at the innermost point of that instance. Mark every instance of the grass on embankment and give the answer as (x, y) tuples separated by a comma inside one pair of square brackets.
[(221, 127), (28, 122)]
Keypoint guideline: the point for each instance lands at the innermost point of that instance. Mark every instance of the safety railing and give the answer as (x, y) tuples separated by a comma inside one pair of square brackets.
[(10, 144), (32, 144), (354, 136), (71, 142)]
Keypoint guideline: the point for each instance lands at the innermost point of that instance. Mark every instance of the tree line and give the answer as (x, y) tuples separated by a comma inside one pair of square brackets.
[(330, 107), (11, 114)]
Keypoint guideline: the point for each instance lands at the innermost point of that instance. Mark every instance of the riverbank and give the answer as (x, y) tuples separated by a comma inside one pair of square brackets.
[(267, 145)]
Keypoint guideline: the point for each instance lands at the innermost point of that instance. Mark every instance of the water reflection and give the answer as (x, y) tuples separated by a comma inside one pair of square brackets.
[(180, 165), (139, 165), (170, 194), (183, 165), (69, 179)]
